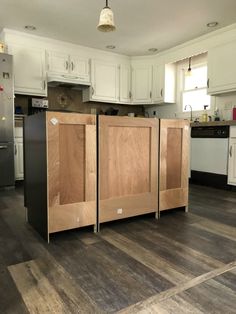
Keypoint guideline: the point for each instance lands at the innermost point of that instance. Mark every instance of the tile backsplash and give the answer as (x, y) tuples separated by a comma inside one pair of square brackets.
[(61, 98)]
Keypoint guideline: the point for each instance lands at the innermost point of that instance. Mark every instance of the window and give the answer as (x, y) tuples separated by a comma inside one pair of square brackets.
[(195, 89)]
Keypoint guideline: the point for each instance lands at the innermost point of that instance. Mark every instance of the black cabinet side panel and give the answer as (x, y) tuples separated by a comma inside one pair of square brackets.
[(35, 163)]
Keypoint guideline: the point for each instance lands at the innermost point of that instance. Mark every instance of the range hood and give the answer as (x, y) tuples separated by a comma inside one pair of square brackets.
[(68, 81)]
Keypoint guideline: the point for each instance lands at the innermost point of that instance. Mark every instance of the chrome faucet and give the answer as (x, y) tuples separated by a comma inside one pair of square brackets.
[(191, 111)]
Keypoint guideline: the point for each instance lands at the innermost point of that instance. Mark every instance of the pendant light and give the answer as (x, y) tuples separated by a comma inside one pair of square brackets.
[(106, 20), (189, 71)]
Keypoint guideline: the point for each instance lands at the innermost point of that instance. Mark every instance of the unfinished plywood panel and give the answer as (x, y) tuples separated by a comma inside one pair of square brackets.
[(72, 163), (174, 161), (174, 158), (127, 167), (129, 161), (71, 143)]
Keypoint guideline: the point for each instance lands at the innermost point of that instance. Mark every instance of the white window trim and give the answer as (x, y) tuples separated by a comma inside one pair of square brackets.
[(184, 70)]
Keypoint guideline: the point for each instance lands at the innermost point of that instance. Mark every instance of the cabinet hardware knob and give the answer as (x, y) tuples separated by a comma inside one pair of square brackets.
[(161, 92), (67, 65), (72, 65), (151, 95), (208, 81), (230, 150), (3, 147)]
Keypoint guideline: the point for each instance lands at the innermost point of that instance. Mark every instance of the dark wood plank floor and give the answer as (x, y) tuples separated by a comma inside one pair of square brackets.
[(183, 263)]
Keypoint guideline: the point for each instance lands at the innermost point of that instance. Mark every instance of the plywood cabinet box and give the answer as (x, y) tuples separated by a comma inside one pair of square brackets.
[(128, 167), (60, 171), (173, 163)]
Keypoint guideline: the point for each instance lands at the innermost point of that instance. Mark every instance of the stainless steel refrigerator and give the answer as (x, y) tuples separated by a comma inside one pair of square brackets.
[(6, 121)]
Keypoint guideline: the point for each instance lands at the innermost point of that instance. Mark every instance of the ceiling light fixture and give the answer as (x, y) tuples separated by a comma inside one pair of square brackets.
[(110, 47), (212, 24), (30, 27), (153, 49), (189, 71), (106, 20)]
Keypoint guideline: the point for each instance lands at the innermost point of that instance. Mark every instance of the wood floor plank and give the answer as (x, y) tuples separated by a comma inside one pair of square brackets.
[(189, 260), (146, 257), (217, 228), (46, 288), (112, 278), (10, 298), (161, 297)]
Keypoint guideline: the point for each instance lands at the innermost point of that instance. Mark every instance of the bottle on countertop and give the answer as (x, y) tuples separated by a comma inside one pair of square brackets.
[(216, 114), (205, 115)]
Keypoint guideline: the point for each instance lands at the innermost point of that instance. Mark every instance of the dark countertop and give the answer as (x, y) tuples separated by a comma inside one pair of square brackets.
[(213, 123)]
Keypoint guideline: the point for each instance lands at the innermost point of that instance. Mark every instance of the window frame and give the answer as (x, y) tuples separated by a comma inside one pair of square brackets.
[(183, 77)]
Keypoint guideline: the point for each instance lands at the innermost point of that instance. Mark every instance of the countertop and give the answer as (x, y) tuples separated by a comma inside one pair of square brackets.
[(213, 123)]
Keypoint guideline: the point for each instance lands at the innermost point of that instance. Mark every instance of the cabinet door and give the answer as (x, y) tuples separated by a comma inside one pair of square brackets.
[(142, 84), (105, 81), (158, 83), (128, 158), (125, 84), (71, 170), (164, 83), (29, 70), (222, 69), (58, 62), (19, 159), (232, 157), (174, 160), (79, 67)]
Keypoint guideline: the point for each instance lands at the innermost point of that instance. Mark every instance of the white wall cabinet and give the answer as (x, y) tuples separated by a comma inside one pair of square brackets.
[(142, 83), (232, 157), (125, 84), (222, 69), (19, 155), (163, 83), (29, 70), (68, 66), (104, 82)]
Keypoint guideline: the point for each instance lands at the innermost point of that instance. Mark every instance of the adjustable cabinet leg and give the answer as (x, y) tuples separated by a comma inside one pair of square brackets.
[(186, 209), (157, 215)]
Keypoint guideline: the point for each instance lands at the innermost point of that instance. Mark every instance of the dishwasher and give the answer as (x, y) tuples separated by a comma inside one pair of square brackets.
[(209, 155)]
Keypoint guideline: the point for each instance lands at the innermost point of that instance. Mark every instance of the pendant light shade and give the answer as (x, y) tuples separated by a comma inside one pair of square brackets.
[(106, 20), (189, 71)]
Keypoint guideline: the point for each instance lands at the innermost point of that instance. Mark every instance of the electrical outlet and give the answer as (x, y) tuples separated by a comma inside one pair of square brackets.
[(120, 211)]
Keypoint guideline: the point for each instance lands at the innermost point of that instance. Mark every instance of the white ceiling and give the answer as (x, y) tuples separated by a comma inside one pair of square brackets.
[(141, 24)]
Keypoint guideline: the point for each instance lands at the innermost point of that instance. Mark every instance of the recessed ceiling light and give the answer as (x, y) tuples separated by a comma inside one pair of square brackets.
[(152, 49), (110, 47), (212, 24), (30, 27)]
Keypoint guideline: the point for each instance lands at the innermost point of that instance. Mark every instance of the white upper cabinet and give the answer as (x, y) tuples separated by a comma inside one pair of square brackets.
[(232, 157), (29, 70), (164, 83), (104, 82), (142, 83), (125, 84), (68, 66), (222, 69)]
